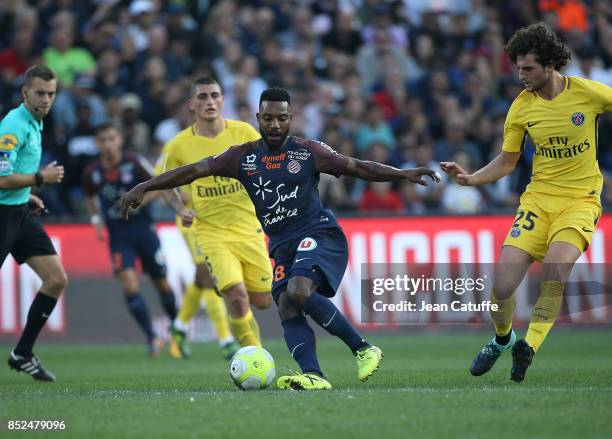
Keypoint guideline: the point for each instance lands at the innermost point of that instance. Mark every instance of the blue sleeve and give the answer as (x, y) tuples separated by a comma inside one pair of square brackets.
[(12, 138)]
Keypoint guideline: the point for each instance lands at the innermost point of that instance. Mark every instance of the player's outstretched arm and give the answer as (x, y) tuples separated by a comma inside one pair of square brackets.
[(499, 167), (374, 171), (177, 177)]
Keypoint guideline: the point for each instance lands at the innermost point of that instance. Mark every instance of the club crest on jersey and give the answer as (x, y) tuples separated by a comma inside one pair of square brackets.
[(294, 167), (307, 244), (578, 118), (515, 232)]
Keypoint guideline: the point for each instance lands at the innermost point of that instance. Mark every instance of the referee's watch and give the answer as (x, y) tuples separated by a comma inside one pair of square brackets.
[(39, 179)]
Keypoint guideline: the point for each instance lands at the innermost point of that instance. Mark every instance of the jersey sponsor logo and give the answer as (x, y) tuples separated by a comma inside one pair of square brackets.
[(250, 164), (218, 191), (279, 212), (262, 188), (515, 232), (578, 118), (558, 148), (8, 142), (269, 160), (307, 244), (251, 173), (294, 167), (299, 154)]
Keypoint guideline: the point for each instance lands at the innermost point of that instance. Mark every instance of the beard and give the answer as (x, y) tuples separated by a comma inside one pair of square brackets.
[(275, 143)]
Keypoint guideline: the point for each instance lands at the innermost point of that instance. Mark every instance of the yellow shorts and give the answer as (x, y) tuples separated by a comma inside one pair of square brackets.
[(233, 262), (543, 219)]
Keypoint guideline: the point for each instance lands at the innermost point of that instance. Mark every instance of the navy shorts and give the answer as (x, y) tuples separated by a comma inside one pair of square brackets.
[(127, 243), (321, 255)]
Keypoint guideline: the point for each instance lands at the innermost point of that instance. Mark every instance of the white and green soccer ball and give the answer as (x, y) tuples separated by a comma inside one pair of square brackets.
[(252, 368)]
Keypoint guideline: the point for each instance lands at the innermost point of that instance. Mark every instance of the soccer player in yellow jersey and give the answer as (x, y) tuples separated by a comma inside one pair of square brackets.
[(227, 232), (560, 208)]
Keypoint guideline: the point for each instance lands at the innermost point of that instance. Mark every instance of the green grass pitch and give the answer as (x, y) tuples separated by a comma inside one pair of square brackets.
[(423, 390)]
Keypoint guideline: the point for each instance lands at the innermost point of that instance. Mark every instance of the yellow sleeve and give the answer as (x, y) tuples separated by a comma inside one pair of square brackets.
[(601, 94), (159, 164), (514, 130)]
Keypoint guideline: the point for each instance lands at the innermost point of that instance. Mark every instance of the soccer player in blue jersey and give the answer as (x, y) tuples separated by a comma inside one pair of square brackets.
[(281, 175), (108, 178), (21, 234)]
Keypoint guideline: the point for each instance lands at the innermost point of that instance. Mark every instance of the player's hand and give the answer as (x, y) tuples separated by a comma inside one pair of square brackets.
[(37, 206), (131, 199), (416, 175), (187, 216), (52, 173), (457, 173)]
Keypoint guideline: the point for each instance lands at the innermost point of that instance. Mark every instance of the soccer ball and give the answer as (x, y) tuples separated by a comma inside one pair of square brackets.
[(252, 368)]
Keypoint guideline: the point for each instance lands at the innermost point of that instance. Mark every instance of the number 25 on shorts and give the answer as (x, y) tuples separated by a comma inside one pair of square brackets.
[(527, 219)]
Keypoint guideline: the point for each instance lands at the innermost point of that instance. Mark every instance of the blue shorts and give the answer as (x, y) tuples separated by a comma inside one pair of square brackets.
[(127, 243), (321, 255)]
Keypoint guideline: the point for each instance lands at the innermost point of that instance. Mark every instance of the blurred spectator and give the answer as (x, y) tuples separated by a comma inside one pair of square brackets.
[(142, 12), (380, 197), (135, 132), (15, 60), (587, 66), (374, 129), (455, 141)]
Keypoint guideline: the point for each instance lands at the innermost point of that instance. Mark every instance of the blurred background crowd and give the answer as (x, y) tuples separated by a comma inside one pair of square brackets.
[(404, 82)]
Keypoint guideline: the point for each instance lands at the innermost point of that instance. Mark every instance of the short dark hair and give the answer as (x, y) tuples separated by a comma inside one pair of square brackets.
[(543, 43), (203, 80), (275, 94), (105, 126), (42, 72)]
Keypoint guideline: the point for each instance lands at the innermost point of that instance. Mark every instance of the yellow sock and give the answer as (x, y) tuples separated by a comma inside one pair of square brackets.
[(545, 312), (217, 313), (255, 328), (191, 303), (502, 318), (243, 330)]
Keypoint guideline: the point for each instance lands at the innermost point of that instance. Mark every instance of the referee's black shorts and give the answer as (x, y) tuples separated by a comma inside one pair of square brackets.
[(22, 234)]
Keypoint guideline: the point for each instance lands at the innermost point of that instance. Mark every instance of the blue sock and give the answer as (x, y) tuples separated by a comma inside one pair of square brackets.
[(325, 313), (169, 304), (138, 308), (300, 339)]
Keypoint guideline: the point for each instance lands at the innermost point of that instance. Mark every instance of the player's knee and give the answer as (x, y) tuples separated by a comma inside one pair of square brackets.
[(504, 287), (261, 300), (297, 291), (237, 300), (56, 283)]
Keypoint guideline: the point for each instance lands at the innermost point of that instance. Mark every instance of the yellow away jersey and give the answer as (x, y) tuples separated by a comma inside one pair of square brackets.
[(222, 206), (564, 132)]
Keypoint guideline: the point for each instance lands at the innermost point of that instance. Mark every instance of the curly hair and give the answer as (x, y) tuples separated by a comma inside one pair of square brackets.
[(544, 44), (275, 94)]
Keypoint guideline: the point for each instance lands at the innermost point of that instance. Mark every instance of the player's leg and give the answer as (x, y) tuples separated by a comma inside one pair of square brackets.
[(137, 307), (49, 268), (31, 244), (509, 273), (257, 274), (150, 253), (203, 287), (558, 264), (241, 319), (300, 340)]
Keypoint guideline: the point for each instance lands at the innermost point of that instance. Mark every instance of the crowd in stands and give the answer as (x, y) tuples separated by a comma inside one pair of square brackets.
[(404, 82)]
